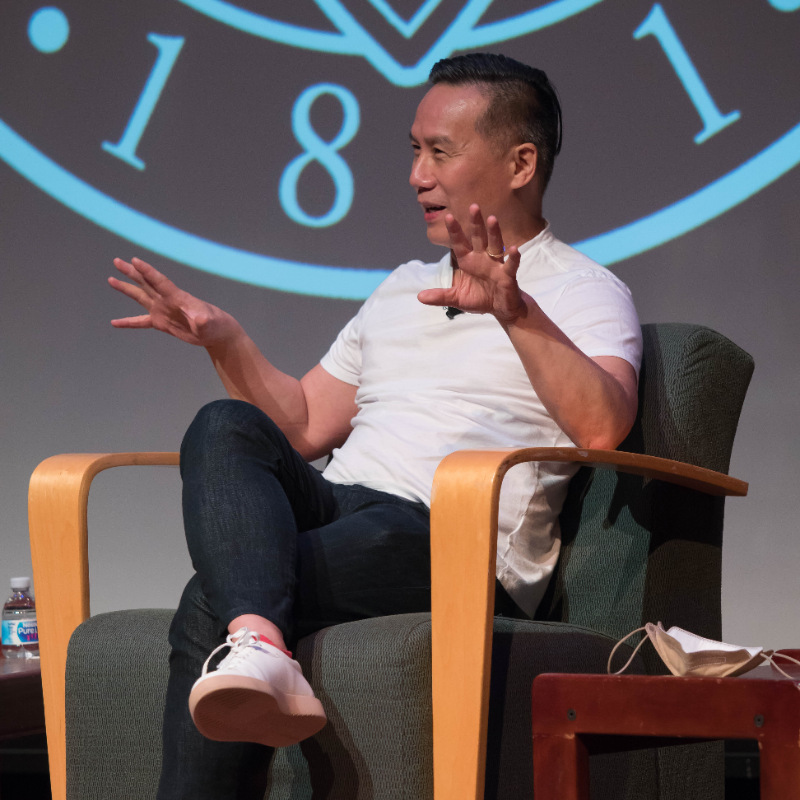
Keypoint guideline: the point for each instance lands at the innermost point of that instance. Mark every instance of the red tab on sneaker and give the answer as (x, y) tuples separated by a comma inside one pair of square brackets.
[(263, 638)]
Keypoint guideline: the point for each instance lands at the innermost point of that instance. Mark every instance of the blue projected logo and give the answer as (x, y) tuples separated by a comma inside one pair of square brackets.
[(48, 32), (406, 27), (353, 39), (317, 149)]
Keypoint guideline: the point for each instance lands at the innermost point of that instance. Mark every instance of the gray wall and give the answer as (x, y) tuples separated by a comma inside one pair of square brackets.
[(215, 148)]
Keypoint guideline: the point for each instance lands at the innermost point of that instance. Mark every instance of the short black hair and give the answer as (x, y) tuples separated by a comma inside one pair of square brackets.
[(523, 104)]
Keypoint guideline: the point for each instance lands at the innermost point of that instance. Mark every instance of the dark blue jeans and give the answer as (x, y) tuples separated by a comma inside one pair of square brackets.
[(269, 535)]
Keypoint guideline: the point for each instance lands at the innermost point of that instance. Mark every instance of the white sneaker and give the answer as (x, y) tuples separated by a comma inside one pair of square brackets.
[(256, 694)]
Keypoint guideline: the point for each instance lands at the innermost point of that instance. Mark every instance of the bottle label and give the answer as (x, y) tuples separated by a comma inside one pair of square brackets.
[(20, 631)]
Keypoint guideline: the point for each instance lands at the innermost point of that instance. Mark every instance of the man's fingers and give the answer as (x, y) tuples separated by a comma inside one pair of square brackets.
[(134, 292), (144, 321), (129, 271), (459, 242), (511, 264), (494, 236), (477, 229), (435, 297), (153, 278)]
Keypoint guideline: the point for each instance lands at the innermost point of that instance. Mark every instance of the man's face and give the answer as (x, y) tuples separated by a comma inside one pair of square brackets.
[(454, 166)]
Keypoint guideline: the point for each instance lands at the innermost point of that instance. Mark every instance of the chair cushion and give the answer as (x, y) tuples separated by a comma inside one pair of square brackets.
[(374, 680), (372, 676)]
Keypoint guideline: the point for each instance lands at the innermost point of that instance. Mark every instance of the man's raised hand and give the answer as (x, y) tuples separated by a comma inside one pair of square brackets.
[(483, 284), (170, 309)]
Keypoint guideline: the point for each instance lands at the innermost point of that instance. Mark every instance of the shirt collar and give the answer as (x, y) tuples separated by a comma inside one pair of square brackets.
[(544, 235)]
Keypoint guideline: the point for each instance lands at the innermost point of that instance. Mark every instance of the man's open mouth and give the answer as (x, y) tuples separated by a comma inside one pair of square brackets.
[(432, 211)]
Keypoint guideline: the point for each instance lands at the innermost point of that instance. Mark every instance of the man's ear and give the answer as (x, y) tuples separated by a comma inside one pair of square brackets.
[(526, 161)]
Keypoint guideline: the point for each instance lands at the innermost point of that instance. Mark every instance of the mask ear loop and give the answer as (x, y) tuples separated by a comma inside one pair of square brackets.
[(771, 659), (633, 654)]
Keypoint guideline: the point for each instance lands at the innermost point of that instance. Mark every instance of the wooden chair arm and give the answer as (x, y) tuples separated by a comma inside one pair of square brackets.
[(464, 509), (57, 508)]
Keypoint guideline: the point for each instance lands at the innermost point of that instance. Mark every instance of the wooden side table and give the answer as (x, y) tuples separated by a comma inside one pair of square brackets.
[(574, 715)]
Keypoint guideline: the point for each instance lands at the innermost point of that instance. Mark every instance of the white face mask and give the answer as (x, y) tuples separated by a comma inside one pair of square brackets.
[(685, 653)]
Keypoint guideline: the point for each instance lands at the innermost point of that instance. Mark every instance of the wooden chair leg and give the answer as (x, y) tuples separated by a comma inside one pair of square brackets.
[(780, 770), (560, 768)]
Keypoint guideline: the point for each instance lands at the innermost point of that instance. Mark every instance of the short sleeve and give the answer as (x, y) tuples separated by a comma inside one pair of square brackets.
[(596, 311), (343, 360)]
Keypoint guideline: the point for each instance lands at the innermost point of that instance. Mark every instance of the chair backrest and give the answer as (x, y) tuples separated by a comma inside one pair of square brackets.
[(636, 551)]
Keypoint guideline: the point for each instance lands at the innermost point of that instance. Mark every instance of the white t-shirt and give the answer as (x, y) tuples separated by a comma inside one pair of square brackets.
[(429, 385)]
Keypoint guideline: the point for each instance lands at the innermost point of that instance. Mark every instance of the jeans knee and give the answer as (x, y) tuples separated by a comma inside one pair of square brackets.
[(219, 417), (218, 423)]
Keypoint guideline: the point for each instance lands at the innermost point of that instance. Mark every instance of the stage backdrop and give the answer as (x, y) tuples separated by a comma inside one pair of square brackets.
[(257, 152)]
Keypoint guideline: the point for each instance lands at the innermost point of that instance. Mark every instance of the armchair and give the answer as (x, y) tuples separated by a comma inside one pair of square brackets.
[(641, 540)]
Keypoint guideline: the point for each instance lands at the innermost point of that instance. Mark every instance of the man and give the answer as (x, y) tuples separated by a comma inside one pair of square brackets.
[(546, 354)]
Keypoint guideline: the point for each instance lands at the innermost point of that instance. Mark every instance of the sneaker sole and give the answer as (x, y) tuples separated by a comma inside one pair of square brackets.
[(234, 708)]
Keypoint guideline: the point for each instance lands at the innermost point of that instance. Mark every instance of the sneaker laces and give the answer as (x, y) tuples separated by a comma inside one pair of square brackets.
[(241, 646)]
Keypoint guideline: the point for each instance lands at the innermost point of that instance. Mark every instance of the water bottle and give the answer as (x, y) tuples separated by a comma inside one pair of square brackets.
[(20, 633)]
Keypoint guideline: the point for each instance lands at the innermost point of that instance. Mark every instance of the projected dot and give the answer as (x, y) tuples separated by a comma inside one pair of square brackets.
[(48, 29)]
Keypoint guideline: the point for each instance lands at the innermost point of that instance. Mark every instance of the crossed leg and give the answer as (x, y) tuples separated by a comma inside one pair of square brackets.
[(269, 537)]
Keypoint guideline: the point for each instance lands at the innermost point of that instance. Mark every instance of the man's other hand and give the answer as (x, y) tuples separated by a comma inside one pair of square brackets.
[(170, 309), (483, 283)]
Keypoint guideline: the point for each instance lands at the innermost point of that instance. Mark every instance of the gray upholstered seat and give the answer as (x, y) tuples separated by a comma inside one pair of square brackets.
[(374, 679), (633, 551)]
